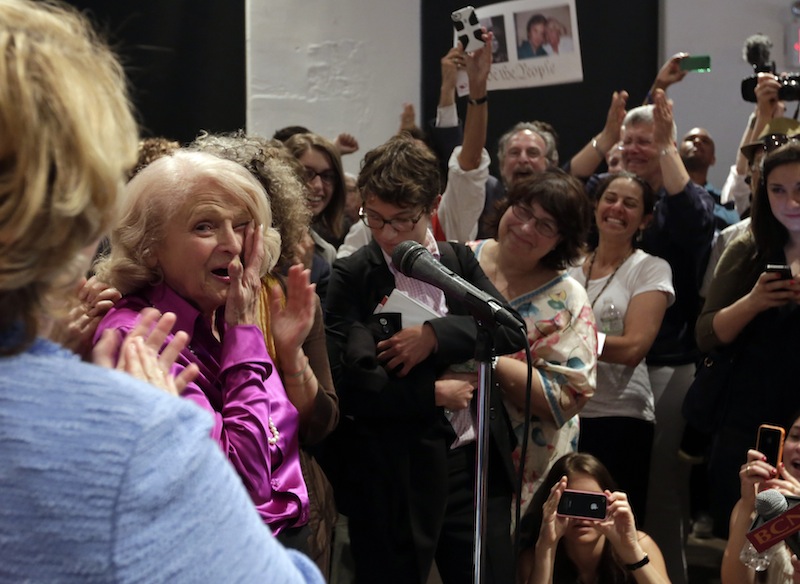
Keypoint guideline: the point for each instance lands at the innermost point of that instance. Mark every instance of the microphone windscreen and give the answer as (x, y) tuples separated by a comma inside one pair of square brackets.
[(770, 503), (404, 254)]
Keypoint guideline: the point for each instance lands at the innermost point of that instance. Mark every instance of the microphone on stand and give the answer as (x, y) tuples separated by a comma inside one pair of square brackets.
[(415, 261)]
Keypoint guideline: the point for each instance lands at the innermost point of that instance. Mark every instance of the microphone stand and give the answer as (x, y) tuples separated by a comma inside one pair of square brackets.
[(484, 356)]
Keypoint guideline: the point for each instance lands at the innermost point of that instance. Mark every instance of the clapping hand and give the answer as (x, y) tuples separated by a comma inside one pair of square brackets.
[(138, 353)]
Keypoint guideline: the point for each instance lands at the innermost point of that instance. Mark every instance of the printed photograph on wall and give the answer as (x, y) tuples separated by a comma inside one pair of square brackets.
[(536, 43)]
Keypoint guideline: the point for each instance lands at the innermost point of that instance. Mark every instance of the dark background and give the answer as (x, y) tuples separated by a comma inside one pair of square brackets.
[(185, 60), (186, 63), (619, 50)]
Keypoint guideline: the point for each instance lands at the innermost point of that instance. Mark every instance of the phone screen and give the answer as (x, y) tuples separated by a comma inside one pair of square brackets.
[(770, 443), (582, 504), (699, 63)]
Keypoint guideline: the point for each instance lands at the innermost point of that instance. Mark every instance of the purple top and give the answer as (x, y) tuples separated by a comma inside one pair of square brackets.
[(239, 386)]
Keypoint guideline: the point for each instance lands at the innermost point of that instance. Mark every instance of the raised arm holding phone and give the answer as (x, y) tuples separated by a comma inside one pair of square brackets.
[(567, 547)]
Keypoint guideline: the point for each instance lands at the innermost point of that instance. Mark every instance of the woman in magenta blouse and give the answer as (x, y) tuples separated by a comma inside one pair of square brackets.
[(192, 241)]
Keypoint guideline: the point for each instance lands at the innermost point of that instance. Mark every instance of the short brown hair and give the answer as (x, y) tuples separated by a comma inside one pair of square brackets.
[(563, 197), (401, 172)]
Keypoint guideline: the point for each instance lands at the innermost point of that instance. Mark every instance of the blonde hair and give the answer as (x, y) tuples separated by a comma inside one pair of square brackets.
[(279, 173), (67, 138), (151, 200)]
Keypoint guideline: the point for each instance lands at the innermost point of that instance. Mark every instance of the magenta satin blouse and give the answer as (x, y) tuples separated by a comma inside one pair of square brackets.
[(239, 386)]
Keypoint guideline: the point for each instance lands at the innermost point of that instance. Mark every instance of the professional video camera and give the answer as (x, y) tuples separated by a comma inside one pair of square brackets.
[(756, 52)]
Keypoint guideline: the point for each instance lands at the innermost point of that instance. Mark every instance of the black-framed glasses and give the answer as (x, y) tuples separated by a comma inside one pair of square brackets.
[(399, 224), (774, 141), (545, 227), (326, 176)]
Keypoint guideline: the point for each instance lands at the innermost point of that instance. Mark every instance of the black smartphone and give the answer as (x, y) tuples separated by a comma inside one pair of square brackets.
[(699, 63), (782, 269), (583, 504), (468, 29), (770, 443)]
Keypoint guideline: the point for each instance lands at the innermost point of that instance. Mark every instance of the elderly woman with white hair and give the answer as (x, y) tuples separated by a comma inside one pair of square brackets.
[(195, 240)]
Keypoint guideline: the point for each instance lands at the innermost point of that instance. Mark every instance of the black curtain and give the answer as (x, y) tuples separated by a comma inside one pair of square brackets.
[(619, 50), (185, 60)]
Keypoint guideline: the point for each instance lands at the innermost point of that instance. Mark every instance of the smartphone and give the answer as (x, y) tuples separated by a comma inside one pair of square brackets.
[(782, 269), (770, 443), (699, 63), (583, 504), (468, 29)]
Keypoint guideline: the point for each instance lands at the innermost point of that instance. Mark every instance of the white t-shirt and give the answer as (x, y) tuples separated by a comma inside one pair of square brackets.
[(621, 390)]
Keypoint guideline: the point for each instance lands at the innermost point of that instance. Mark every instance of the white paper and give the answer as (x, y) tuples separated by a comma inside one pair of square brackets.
[(413, 311)]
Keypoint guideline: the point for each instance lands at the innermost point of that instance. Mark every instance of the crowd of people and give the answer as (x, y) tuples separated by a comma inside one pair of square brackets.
[(214, 367)]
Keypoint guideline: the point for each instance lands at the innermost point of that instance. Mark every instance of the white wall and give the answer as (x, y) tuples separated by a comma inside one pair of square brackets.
[(348, 66), (713, 100), (343, 66)]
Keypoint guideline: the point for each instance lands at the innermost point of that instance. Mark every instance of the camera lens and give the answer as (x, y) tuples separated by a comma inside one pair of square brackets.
[(790, 89)]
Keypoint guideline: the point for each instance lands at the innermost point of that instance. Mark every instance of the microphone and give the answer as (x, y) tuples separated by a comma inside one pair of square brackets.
[(415, 261), (772, 506)]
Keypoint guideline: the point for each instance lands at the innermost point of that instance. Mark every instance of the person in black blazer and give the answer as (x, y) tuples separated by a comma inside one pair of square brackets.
[(401, 473)]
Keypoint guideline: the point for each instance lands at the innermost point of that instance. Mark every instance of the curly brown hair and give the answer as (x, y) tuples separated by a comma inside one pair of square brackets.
[(401, 172)]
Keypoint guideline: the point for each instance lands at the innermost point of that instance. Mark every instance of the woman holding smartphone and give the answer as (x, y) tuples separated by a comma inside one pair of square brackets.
[(752, 314), (575, 549), (756, 475)]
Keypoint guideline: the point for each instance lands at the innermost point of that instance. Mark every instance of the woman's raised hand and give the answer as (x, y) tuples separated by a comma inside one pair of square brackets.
[(619, 527), (291, 320), (553, 525)]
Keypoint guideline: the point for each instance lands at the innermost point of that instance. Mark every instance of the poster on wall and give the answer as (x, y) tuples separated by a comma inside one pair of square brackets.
[(535, 43)]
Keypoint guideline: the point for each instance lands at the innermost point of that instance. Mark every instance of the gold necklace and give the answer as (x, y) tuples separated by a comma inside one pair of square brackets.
[(611, 277)]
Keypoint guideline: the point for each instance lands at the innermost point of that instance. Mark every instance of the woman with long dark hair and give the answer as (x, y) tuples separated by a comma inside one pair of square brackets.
[(751, 314), (563, 549)]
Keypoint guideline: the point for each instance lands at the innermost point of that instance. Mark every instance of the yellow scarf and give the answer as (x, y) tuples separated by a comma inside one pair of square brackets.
[(264, 299)]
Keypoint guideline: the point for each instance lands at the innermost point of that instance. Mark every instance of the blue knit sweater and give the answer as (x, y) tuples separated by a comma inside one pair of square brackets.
[(106, 479)]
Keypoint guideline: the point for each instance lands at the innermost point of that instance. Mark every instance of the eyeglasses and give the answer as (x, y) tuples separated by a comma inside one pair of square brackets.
[(399, 224), (773, 141), (326, 176), (545, 227)]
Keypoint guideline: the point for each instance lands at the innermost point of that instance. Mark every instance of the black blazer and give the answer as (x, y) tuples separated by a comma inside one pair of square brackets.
[(391, 451)]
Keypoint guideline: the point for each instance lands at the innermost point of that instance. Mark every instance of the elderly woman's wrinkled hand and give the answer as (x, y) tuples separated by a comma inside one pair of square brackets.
[(241, 306)]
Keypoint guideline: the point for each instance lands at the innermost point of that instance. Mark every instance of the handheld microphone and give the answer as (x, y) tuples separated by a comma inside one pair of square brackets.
[(778, 522), (415, 261)]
